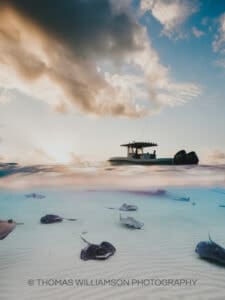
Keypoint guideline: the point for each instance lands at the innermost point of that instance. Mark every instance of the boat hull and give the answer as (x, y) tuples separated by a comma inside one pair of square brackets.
[(140, 161)]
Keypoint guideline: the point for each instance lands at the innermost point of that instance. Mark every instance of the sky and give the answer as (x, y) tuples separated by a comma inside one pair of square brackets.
[(79, 78)]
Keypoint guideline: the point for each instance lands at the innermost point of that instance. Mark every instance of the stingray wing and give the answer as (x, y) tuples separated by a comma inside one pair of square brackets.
[(6, 228)]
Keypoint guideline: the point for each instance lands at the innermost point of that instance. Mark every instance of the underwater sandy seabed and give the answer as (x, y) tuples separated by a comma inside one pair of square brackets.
[(42, 261)]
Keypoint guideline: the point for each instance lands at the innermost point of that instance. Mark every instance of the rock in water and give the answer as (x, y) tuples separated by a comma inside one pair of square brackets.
[(49, 219)]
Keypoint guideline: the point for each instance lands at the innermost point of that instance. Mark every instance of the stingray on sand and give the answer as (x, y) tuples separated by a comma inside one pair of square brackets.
[(211, 251), (125, 207), (35, 196), (6, 227), (50, 219), (131, 222), (97, 252), (128, 207)]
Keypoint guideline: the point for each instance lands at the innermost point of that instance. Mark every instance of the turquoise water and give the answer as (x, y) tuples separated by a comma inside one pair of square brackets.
[(163, 249)]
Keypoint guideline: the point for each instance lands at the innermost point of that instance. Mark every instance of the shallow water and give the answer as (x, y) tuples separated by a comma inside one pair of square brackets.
[(163, 249)]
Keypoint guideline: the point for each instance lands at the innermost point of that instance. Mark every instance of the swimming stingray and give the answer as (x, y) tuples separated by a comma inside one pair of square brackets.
[(182, 199), (6, 227), (125, 207), (35, 196), (131, 222), (177, 198), (211, 251), (49, 219), (97, 252), (148, 193), (128, 207)]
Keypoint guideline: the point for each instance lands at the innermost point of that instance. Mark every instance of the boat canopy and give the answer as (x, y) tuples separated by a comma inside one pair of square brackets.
[(139, 145)]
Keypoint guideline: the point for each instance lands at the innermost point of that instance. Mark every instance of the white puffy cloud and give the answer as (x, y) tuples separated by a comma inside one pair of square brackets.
[(170, 13), (219, 41)]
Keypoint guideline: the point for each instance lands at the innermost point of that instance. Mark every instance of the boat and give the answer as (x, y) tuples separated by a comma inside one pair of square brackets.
[(136, 155)]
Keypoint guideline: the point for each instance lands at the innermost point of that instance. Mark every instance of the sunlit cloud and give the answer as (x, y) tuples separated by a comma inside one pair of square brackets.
[(217, 156), (59, 62)]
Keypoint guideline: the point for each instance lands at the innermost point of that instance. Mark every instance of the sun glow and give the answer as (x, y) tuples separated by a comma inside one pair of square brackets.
[(58, 152)]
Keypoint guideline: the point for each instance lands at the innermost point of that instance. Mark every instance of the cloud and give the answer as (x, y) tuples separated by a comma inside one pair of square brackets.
[(217, 156), (170, 13), (220, 63), (78, 161), (91, 55), (219, 40), (197, 33)]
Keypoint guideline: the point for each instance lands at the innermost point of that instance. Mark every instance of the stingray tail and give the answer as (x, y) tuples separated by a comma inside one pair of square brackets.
[(111, 208), (83, 239), (210, 238)]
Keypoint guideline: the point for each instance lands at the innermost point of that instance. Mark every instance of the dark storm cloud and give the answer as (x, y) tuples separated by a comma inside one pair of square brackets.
[(74, 36), (87, 26)]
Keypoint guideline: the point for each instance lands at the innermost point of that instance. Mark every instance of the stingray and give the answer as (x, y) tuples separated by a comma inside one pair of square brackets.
[(97, 252), (49, 219), (211, 251), (6, 227), (131, 222), (182, 199), (128, 207), (158, 193), (35, 196), (125, 207), (218, 190)]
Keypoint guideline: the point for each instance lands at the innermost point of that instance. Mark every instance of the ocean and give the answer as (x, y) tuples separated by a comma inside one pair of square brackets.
[(157, 262)]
